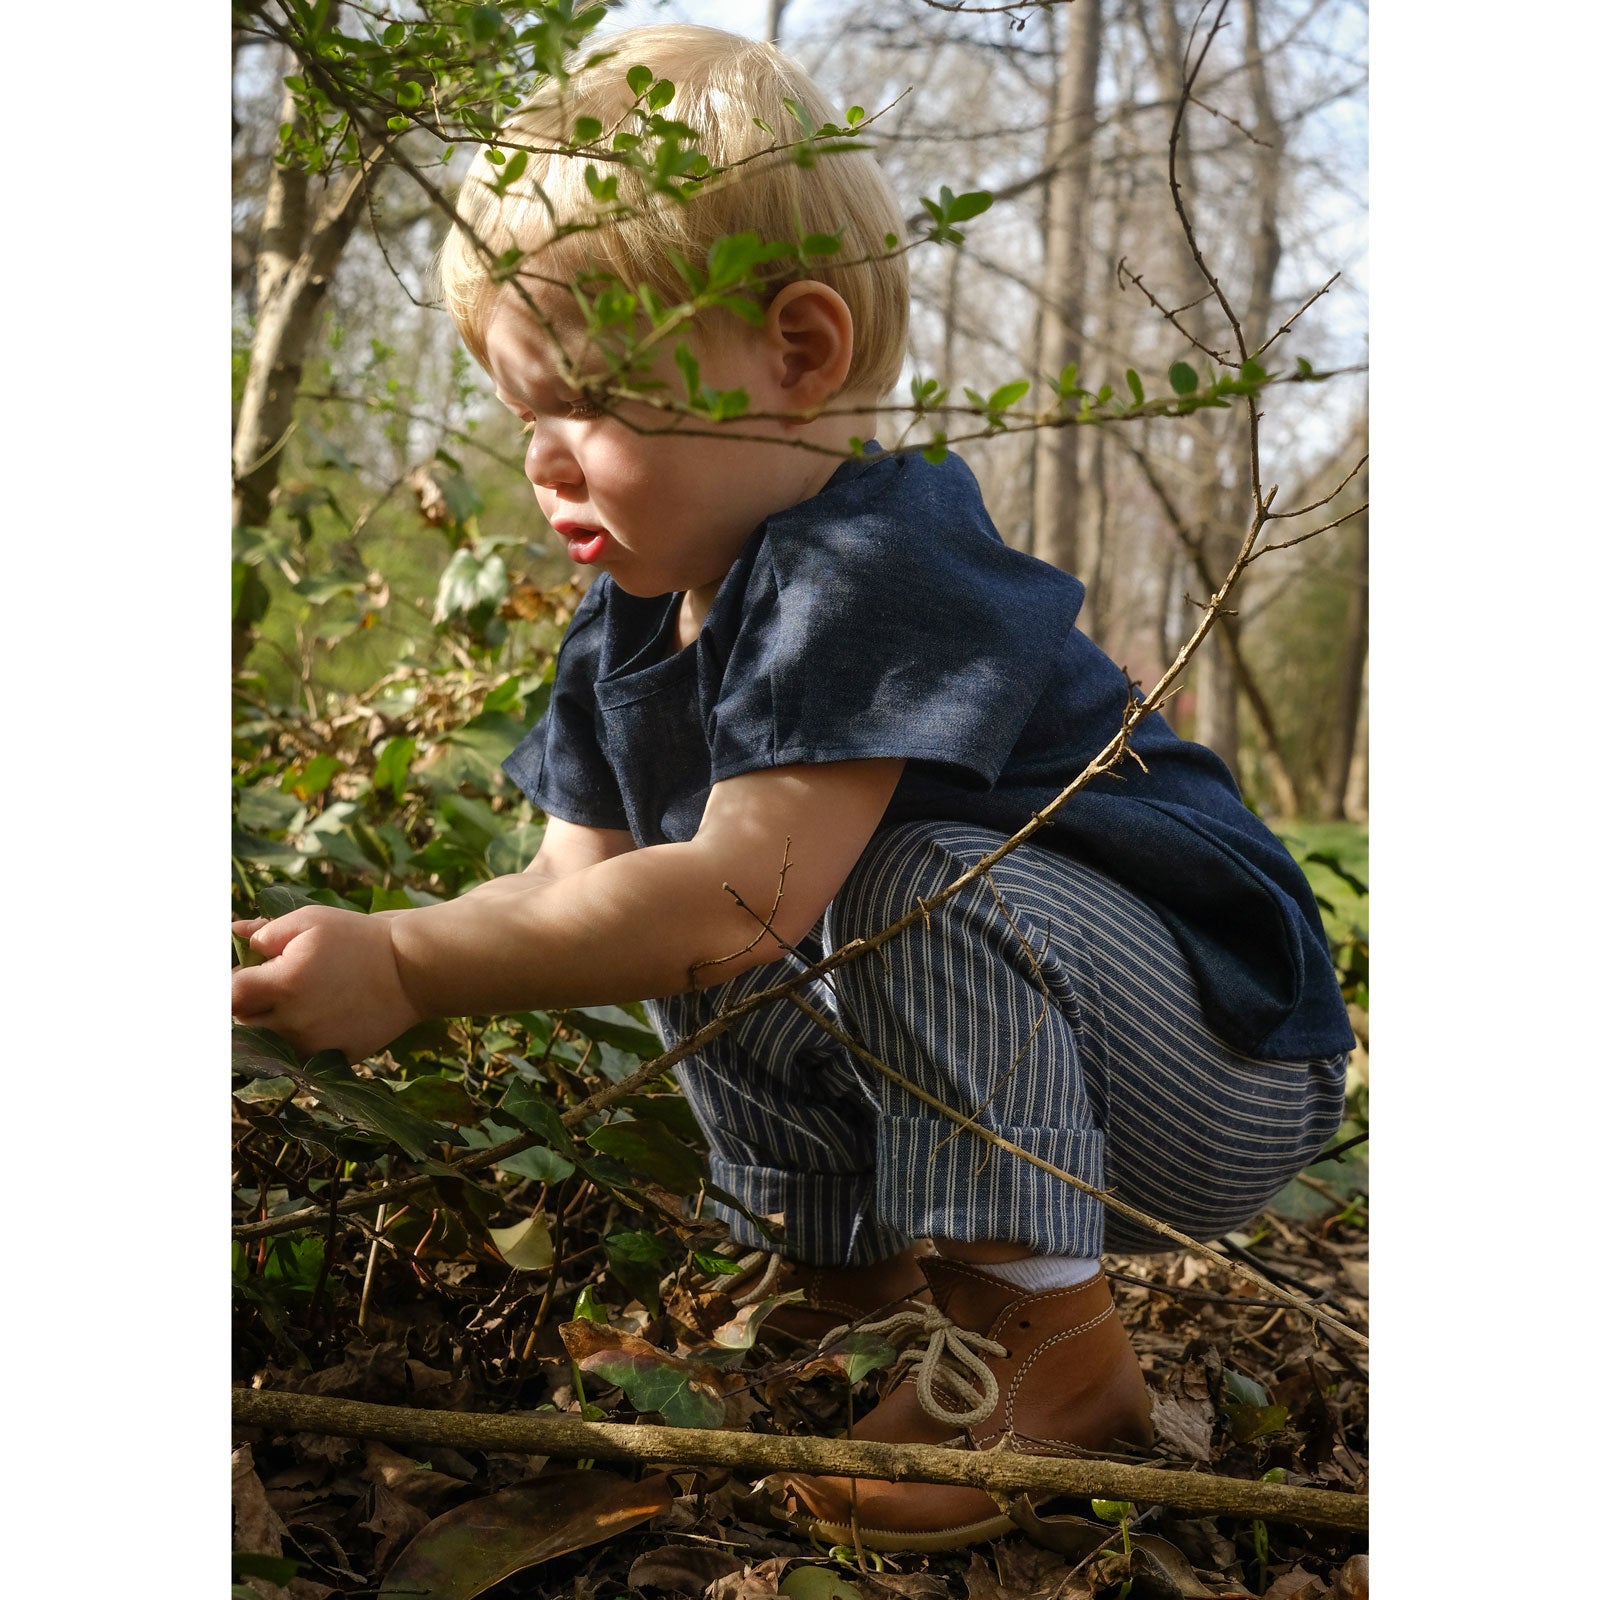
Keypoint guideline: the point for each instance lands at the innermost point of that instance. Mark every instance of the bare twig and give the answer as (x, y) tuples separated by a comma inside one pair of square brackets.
[(1327, 527)]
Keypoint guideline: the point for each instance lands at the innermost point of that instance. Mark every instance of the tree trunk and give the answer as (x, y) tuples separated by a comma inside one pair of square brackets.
[(1069, 155), (774, 19), (293, 271)]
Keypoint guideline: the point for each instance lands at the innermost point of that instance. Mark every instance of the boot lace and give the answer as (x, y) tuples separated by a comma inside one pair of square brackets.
[(947, 1354)]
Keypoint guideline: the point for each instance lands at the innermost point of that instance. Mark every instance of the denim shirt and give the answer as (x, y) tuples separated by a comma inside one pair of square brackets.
[(885, 616)]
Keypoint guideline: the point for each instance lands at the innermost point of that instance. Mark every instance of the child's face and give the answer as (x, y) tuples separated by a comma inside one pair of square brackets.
[(659, 510)]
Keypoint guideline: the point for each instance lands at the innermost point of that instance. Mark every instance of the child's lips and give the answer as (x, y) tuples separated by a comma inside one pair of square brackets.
[(584, 544)]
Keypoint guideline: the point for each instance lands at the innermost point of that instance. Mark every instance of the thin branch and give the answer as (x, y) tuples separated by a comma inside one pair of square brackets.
[(1298, 314), (1176, 188), (1316, 533), (1123, 273), (1001, 1471), (1316, 505)]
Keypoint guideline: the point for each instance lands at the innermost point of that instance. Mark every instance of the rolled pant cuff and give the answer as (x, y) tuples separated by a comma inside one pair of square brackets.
[(937, 1180), (829, 1218)]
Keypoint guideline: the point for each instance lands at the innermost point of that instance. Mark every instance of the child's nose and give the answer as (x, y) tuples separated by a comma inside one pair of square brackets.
[(550, 463)]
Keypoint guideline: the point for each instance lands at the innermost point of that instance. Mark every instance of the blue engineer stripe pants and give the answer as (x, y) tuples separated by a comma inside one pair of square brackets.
[(1052, 1006)]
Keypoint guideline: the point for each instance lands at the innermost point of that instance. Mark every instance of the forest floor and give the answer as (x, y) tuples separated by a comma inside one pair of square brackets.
[(1242, 1386)]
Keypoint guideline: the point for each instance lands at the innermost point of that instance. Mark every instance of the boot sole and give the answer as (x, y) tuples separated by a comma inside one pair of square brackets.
[(892, 1539)]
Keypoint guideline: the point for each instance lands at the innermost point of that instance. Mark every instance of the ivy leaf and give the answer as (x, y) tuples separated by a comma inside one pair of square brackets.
[(683, 1392)]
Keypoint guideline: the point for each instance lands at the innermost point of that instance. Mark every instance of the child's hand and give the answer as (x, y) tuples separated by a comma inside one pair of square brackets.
[(330, 981)]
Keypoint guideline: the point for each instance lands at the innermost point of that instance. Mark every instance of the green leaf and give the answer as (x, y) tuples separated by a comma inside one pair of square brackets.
[(661, 94), (1006, 396), (367, 1104), (1112, 1510), (935, 453), (854, 115), (589, 1308), (526, 1245), (275, 1569), (394, 762), (1183, 378), (409, 94), (1136, 387), (612, 1025), (713, 1265), (439, 1099), (260, 1053), (587, 129), (966, 206), (1252, 372), (639, 79), (816, 1583), (311, 779), (650, 1150)]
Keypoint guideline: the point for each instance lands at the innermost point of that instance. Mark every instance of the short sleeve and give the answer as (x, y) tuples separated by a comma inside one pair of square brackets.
[(560, 765), (888, 618)]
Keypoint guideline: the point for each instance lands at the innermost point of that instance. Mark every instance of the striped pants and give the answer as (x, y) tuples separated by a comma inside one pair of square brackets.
[(1049, 1005)]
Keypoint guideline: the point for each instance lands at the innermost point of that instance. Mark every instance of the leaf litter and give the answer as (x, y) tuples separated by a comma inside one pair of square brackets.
[(1240, 1387)]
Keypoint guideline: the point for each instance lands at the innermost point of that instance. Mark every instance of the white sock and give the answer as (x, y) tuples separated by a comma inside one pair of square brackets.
[(1037, 1273)]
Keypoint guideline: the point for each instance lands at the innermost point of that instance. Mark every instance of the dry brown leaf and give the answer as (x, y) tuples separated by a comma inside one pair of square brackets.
[(903, 1585), (257, 1528), (682, 1568), (981, 1581), (396, 1521), (1297, 1584), (1184, 1424), (757, 1583), (1165, 1571), (471, 1548), (418, 1485), (1350, 1581)]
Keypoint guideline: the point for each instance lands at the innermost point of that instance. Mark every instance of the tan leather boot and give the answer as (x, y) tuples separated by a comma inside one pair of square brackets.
[(832, 1295), (1050, 1373)]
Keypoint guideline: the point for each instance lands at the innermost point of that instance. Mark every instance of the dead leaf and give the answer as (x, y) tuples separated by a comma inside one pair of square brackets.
[(421, 1486), (1165, 1570), (1024, 1568), (465, 1551), (980, 1580), (395, 1520), (904, 1585), (1350, 1582), (1184, 1424), (256, 1526), (1296, 1585), (682, 1568), (1074, 1537), (756, 1583)]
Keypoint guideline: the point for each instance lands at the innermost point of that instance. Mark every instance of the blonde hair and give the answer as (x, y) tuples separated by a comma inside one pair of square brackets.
[(723, 82)]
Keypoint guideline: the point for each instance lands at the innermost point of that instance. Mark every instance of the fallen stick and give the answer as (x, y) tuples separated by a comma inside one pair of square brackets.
[(1002, 1472)]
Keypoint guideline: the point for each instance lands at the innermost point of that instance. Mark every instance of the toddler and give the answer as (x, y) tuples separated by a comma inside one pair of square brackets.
[(821, 679)]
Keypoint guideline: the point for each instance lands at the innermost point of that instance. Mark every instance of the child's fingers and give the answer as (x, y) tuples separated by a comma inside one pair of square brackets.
[(270, 938), (254, 990), (243, 928)]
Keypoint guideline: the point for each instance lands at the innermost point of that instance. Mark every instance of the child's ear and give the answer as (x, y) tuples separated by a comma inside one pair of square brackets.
[(812, 333)]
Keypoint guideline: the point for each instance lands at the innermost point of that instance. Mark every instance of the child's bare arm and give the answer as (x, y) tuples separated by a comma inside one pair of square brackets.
[(627, 926)]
